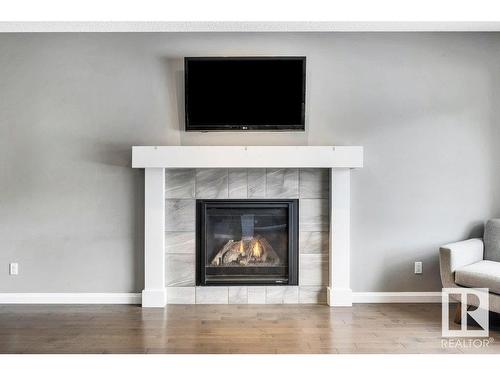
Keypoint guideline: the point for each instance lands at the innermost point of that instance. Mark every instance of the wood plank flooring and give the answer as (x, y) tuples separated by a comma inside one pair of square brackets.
[(364, 328)]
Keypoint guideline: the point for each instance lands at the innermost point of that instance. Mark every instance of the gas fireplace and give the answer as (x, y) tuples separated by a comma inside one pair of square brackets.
[(247, 242)]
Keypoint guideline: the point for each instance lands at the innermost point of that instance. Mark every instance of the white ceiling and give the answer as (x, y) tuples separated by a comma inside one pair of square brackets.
[(246, 26)]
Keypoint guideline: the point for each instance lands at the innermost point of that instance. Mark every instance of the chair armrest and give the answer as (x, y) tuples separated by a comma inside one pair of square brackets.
[(456, 255)]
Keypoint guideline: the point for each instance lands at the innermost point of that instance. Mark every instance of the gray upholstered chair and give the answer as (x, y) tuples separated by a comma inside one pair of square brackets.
[(474, 263)]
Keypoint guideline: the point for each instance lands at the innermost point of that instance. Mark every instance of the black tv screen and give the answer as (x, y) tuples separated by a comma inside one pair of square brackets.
[(244, 93)]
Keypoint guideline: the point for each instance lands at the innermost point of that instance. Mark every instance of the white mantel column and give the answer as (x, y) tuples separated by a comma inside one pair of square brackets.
[(339, 289), (154, 293)]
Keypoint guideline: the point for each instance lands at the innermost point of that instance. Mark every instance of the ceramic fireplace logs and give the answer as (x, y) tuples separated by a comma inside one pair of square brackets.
[(255, 251)]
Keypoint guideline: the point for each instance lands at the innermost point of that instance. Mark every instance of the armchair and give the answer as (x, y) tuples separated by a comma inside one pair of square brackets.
[(474, 263)]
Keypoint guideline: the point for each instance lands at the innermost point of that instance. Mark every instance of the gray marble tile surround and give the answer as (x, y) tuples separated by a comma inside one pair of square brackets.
[(237, 184), (179, 183), (254, 295), (221, 183), (180, 215), (184, 186), (212, 183), (180, 269)]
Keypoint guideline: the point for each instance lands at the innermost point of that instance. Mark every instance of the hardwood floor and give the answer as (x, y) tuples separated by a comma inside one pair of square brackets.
[(364, 328)]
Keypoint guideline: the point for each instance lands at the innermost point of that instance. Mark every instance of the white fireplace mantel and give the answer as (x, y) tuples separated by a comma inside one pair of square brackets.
[(247, 157), (154, 159)]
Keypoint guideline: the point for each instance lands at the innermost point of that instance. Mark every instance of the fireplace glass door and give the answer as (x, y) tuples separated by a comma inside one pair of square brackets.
[(247, 242)]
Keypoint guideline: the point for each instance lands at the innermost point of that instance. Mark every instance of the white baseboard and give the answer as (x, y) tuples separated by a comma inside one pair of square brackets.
[(336, 297), (136, 298), (71, 298), (154, 297), (396, 297)]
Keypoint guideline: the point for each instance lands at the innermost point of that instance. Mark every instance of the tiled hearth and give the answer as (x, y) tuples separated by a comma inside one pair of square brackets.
[(184, 186)]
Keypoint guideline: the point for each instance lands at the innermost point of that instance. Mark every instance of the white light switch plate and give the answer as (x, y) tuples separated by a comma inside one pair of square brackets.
[(418, 267), (14, 269)]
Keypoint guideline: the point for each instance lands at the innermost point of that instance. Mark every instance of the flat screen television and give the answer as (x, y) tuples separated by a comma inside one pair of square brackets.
[(244, 93)]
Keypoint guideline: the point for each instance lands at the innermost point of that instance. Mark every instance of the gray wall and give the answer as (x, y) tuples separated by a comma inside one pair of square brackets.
[(424, 106), (495, 121)]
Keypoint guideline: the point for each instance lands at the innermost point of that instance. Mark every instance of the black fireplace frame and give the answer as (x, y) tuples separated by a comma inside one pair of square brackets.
[(293, 238)]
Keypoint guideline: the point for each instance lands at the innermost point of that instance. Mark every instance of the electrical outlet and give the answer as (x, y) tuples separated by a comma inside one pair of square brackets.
[(418, 267), (14, 269)]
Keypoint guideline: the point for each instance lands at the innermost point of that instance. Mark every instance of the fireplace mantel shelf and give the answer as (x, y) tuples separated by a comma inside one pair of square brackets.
[(247, 157), (339, 159)]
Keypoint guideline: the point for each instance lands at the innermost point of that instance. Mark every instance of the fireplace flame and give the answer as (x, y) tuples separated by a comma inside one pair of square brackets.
[(253, 251), (257, 250)]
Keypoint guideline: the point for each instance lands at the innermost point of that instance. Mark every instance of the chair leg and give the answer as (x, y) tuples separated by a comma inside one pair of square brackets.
[(458, 314)]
